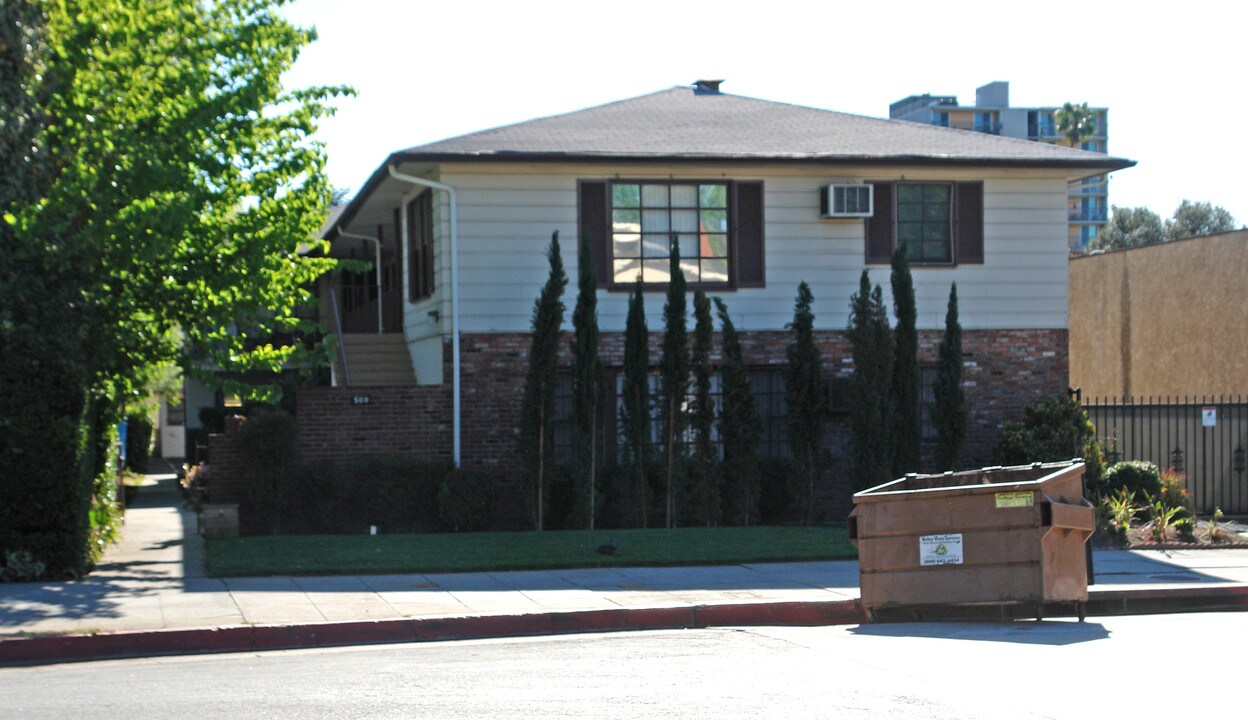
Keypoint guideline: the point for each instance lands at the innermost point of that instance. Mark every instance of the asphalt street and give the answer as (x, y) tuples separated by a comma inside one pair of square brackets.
[(1163, 664)]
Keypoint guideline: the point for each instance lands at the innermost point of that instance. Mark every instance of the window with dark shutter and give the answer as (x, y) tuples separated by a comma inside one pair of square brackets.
[(717, 225), (937, 223)]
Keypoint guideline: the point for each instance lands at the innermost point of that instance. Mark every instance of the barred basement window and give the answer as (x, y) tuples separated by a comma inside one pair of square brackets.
[(773, 411), (927, 402)]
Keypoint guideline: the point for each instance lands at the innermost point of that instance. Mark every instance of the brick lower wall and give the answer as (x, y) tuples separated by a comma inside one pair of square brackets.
[(225, 463), (1004, 370), (341, 423)]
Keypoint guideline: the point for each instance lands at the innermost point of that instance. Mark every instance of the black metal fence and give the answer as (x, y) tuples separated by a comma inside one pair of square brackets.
[(1204, 438)]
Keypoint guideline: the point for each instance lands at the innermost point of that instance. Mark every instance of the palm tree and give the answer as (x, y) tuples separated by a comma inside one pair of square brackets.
[(1075, 122)]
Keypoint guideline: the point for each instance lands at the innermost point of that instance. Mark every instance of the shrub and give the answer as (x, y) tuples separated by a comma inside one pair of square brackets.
[(138, 441), (1162, 517), (195, 486), (1137, 477), (1174, 493), (267, 444), (1051, 430), (399, 493), (740, 481), (467, 500), (1121, 509), (19, 566), (561, 499), (776, 502)]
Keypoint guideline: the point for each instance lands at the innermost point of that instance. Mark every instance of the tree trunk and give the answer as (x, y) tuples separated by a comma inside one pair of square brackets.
[(593, 468), (541, 467)]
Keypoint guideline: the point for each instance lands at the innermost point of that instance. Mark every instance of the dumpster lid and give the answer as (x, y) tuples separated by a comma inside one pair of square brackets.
[(1022, 476)]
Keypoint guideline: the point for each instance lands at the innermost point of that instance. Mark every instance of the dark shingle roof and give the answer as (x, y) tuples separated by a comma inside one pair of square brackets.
[(680, 124)]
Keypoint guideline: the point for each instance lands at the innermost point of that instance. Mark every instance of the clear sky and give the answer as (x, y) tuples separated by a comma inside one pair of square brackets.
[(1171, 74)]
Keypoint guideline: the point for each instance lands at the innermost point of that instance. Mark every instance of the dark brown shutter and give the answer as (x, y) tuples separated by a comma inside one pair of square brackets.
[(426, 231), (747, 206), (594, 222), (879, 230), (398, 242), (414, 276), (968, 222)]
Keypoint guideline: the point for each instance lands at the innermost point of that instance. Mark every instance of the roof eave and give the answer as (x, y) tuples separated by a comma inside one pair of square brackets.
[(1102, 164)]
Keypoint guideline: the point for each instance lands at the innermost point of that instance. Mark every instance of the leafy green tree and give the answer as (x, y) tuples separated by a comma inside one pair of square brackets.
[(537, 410), (674, 380), (949, 413), (586, 388), (805, 392), (1130, 227), (635, 404), (1198, 218), (906, 428), (1075, 122), (176, 181), (704, 485), (43, 364), (740, 428), (870, 401)]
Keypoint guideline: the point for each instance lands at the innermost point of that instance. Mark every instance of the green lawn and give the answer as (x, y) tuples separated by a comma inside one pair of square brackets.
[(480, 552)]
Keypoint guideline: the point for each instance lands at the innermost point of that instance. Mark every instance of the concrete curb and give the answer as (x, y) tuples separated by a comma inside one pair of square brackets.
[(146, 643), (1150, 601), (251, 638)]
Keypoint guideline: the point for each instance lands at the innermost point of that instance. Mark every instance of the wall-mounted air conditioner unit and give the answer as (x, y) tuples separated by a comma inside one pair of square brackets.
[(840, 200)]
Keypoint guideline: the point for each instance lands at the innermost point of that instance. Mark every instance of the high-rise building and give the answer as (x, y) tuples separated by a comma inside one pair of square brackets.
[(1088, 204)]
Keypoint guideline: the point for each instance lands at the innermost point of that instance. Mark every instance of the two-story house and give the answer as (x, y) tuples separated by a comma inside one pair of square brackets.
[(759, 195)]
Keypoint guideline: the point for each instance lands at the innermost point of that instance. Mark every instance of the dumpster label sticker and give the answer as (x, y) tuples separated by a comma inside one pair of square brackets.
[(940, 549), (1016, 499)]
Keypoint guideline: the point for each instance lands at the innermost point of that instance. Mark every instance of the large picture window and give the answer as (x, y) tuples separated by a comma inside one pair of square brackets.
[(646, 218), (717, 226)]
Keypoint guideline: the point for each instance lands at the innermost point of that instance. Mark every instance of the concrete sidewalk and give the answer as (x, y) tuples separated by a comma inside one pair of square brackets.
[(150, 595)]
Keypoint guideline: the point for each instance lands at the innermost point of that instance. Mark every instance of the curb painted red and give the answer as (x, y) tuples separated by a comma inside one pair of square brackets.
[(146, 643)]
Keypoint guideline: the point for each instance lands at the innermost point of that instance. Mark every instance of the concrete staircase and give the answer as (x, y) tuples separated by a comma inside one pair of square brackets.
[(373, 360)]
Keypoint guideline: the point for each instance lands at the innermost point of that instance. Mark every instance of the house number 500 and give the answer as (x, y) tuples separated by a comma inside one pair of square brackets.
[(361, 400)]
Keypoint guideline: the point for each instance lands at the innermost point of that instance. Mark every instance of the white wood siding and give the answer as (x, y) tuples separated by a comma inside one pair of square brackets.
[(508, 212)]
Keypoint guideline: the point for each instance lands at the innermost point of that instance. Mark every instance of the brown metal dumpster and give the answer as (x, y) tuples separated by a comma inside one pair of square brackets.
[(998, 536)]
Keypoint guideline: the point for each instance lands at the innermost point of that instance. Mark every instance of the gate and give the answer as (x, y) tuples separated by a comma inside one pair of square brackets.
[(1204, 438)]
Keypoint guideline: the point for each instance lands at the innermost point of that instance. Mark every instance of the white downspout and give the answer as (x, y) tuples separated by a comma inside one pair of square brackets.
[(376, 267), (450, 191)]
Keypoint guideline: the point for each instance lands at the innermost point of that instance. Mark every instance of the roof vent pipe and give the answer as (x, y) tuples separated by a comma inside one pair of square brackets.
[(706, 87)]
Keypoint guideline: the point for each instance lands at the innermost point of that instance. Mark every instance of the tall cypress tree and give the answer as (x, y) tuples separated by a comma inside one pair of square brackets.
[(586, 388), (705, 496), (870, 404), (949, 414), (906, 427), (804, 390), (635, 405), (674, 378), (537, 410), (740, 429)]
